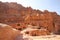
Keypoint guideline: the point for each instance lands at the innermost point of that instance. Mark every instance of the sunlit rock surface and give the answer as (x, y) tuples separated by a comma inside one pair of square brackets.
[(20, 18)]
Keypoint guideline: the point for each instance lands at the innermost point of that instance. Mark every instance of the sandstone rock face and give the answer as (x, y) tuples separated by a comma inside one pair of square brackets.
[(38, 32), (35, 32), (9, 33), (57, 25), (17, 15)]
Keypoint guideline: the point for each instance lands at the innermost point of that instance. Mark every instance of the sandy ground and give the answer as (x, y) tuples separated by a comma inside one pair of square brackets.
[(47, 37)]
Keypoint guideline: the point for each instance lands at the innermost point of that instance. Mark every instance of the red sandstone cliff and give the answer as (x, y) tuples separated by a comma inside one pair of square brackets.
[(19, 17)]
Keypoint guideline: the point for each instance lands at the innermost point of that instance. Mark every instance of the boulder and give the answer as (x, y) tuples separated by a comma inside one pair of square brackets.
[(9, 33)]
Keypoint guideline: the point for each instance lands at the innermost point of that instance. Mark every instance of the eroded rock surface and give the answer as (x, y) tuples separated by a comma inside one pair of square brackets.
[(19, 17)]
